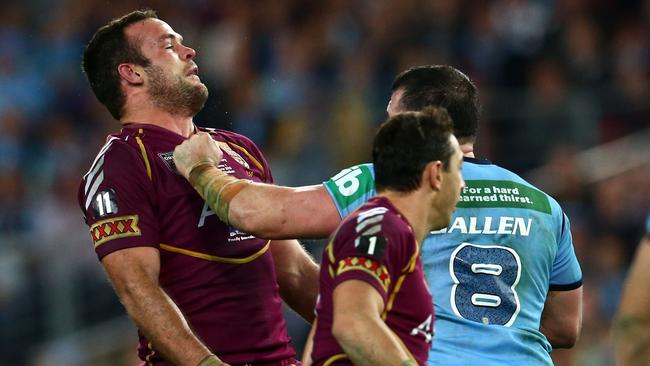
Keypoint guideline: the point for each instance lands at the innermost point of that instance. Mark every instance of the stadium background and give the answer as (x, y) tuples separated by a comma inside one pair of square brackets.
[(561, 82)]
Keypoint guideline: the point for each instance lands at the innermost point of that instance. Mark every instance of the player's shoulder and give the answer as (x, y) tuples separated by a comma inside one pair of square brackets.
[(479, 169), (377, 216), (119, 155)]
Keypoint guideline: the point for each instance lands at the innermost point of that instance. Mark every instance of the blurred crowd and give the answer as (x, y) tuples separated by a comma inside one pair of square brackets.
[(308, 81)]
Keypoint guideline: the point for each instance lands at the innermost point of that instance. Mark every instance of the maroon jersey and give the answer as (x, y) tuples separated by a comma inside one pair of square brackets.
[(222, 279), (376, 245)]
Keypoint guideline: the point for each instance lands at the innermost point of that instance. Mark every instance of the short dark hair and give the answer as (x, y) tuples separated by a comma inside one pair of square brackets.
[(441, 86), (108, 48), (406, 143)]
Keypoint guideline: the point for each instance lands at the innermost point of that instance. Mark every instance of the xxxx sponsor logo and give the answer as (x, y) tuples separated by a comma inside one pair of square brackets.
[(114, 228)]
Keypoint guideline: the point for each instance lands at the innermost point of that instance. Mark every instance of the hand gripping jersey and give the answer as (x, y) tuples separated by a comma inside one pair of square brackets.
[(376, 245), (222, 279), (507, 245)]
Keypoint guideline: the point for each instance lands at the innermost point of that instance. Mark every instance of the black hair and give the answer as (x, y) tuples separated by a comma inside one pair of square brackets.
[(406, 143), (108, 48), (441, 86)]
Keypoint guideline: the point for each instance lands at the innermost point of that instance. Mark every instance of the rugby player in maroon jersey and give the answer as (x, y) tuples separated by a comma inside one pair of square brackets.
[(199, 291), (374, 306)]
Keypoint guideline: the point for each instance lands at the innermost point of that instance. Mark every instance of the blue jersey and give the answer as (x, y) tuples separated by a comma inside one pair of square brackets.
[(490, 270)]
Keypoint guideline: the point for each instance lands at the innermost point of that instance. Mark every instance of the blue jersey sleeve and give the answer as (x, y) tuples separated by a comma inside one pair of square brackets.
[(647, 226), (566, 273), (351, 188)]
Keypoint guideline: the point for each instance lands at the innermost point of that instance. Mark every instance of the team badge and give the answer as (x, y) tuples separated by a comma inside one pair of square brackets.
[(228, 150), (114, 228)]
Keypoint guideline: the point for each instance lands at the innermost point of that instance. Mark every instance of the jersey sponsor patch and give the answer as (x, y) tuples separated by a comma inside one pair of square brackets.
[(114, 228), (372, 267), (104, 204), (351, 184), (502, 193)]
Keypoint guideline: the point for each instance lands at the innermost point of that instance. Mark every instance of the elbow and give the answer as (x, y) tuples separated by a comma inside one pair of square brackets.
[(567, 341), (566, 337)]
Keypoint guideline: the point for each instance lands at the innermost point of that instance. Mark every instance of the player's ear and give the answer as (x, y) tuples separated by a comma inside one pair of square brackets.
[(433, 170), (133, 74)]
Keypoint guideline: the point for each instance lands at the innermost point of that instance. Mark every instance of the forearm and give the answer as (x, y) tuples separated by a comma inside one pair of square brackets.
[(266, 210), (161, 321), (632, 323), (276, 212), (368, 341), (632, 334), (297, 276), (309, 345), (301, 294)]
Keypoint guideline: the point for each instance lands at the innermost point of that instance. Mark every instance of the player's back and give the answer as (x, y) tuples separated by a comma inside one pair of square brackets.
[(491, 269), (376, 245)]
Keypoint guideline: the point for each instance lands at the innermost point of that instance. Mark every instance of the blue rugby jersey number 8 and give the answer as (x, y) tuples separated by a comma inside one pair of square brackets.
[(485, 280)]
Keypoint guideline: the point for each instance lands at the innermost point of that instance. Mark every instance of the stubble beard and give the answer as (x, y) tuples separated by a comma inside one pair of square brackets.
[(175, 95)]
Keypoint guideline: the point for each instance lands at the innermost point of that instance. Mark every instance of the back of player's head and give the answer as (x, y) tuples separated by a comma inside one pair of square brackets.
[(108, 48), (441, 86), (406, 143)]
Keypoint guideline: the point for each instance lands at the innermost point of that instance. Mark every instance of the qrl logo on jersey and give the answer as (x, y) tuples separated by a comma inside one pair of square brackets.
[(115, 228)]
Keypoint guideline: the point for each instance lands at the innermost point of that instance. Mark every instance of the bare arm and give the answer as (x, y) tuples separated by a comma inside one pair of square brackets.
[(309, 345), (632, 324), (270, 211), (297, 276), (264, 210), (134, 275), (562, 317), (359, 329)]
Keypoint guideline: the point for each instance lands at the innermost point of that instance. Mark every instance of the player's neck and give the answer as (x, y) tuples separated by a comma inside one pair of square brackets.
[(183, 126), (411, 206)]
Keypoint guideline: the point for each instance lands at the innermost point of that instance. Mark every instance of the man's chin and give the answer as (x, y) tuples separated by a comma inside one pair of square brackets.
[(443, 223)]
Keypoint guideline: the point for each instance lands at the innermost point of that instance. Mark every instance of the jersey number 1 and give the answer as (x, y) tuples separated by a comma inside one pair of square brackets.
[(485, 280)]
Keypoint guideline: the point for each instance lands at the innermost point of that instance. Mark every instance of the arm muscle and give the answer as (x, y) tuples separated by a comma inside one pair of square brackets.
[(359, 329), (134, 275), (297, 276), (562, 317)]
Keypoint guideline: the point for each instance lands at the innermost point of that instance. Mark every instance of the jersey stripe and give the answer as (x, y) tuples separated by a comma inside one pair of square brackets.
[(91, 174), (214, 258), (100, 154), (93, 189), (143, 151), (369, 221), (335, 358), (255, 161)]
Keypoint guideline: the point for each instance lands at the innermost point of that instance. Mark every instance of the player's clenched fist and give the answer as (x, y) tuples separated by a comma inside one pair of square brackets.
[(196, 150)]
